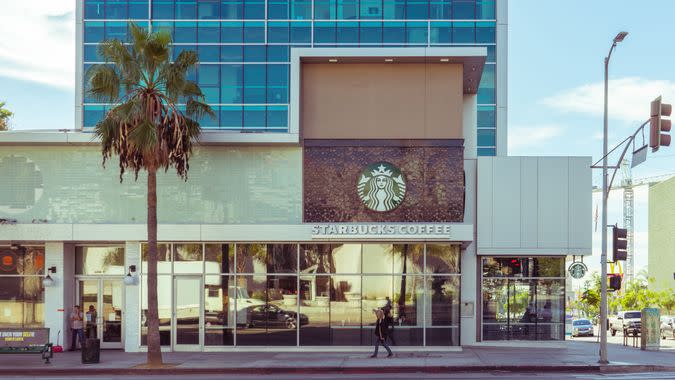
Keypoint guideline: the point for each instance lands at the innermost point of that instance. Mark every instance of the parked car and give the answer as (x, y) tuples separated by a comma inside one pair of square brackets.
[(629, 322), (582, 327), (271, 316), (667, 330)]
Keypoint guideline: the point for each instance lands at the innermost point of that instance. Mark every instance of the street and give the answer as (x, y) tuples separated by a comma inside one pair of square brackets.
[(666, 344)]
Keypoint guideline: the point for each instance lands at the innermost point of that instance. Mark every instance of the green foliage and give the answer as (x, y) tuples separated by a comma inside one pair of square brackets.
[(5, 115)]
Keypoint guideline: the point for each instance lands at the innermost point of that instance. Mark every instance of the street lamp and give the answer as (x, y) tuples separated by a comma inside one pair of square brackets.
[(605, 193)]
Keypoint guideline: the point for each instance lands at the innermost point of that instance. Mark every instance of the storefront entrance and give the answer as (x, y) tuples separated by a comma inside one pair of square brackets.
[(188, 320), (104, 320)]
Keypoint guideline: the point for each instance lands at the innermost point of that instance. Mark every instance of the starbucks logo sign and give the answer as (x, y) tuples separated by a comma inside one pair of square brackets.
[(381, 187)]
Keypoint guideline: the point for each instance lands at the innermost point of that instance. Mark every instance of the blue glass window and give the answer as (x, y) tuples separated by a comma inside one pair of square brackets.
[(301, 32), (277, 9), (254, 84), (231, 32), (464, 9), (94, 9), (255, 53), (301, 10), (232, 10), (208, 9), (348, 32), (93, 31), (207, 75), (185, 32), (371, 9), (486, 89), (179, 48), (186, 10), (277, 53), (116, 30), (162, 9), (231, 53), (231, 83), (166, 26), (91, 54), (209, 53), (487, 152), (417, 10), (347, 9), (277, 117), (486, 137), (324, 32), (439, 10), (138, 9), (485, 32), (486, 117), (254, 9), (254, 117), (116, 9), (92, 115), (491, 54), (441, 32), (231, 117), (485, 9), (254, 32), (324, 9), (463, 32), (277, 84), (209, 32), (208, 121), (394, 10), (394, 32), (417, 32), (371, 33), (277, 31)]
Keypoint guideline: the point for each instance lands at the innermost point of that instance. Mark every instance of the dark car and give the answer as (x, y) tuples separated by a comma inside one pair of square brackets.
[(271, 316), (667, 327), (582, 327)]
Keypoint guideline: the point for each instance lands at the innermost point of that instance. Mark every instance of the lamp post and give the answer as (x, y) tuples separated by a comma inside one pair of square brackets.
[(605, 194)]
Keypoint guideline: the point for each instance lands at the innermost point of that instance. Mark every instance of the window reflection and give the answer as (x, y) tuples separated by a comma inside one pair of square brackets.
[(99, 260), (21, 290)]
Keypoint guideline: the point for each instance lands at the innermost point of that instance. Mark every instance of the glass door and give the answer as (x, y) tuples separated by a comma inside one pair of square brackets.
[(101, 301), (187, 313)]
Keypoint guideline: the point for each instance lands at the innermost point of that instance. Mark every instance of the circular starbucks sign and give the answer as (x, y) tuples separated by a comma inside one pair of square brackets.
[(381, 187), (577, 270)]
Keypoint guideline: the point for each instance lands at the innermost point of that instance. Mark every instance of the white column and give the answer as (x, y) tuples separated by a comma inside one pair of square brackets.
[(56, 309), (132, 302), (470, 281)]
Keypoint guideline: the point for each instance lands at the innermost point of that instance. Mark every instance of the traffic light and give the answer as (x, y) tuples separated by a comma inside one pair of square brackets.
[(614, 281), (658, 125), (620, 244)]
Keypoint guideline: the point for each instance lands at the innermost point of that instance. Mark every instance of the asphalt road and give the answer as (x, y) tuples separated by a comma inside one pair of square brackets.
[(666, 345)]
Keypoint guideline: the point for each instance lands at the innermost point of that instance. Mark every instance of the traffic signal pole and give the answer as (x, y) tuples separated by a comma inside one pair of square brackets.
[(603, 255)]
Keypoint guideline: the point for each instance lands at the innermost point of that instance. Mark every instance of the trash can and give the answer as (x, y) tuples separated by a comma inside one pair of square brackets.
[(91, 352)]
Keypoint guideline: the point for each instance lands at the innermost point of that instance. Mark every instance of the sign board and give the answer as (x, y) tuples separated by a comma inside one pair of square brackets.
[(577, 270), (23, 337), (639, 156), (467, 310), (418, 231)]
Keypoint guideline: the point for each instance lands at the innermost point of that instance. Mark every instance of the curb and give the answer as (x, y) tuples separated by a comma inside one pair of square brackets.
[(84, 371)]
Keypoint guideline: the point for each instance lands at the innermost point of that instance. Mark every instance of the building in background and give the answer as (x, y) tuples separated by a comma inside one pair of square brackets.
[(244, 49), (661, 262)]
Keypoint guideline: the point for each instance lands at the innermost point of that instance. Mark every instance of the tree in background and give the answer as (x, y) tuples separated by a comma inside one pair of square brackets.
[(145, 128), (5, 115)]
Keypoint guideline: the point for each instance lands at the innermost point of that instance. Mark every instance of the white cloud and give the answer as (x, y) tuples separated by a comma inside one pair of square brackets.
[(629, 98), (523, 137), (39, 41)]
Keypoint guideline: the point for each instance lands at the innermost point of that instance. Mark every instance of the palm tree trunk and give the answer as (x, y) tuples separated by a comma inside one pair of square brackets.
[(154, 345)]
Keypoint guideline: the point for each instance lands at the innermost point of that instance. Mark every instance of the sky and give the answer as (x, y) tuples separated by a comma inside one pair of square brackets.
[(555, 79)]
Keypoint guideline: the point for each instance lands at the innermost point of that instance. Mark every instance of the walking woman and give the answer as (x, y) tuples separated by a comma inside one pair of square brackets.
[(381, 331)]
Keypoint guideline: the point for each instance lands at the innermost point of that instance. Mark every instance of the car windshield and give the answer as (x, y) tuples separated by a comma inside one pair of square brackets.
[(581, 322), (635, 314)]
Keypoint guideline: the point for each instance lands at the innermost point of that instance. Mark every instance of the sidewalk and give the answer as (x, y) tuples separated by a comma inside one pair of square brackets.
[(575, 356)]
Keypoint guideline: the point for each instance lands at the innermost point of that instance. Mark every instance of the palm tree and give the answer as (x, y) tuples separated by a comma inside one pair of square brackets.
[(146, 128), (5, 114)]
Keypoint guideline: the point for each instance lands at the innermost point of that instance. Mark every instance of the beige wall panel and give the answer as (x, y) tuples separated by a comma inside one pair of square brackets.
[(376, 101)]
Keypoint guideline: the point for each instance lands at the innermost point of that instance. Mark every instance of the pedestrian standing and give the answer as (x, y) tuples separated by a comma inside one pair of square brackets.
[(381, 332), (91, 315), (76, 328)]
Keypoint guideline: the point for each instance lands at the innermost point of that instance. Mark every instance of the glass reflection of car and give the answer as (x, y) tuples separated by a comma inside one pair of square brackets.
[(667, 327), (272, 316), (582, 327)]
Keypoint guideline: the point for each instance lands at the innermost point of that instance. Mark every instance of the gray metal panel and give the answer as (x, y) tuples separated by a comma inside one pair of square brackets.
[(506, 202), (529, 202), (484, 220), (581, 207), (553, 198)]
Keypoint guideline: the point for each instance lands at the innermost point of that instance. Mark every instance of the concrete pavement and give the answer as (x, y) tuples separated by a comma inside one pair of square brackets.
[(571, 356)]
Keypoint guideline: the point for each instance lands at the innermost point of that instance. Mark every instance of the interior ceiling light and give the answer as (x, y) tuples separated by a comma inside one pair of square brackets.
[(332, 60), (445, 59), (389, 59)]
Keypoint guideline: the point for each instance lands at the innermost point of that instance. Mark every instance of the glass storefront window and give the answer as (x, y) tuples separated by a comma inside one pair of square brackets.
[(99, 260), (21, 290), (523, 298), (187, 258), (164, 307)]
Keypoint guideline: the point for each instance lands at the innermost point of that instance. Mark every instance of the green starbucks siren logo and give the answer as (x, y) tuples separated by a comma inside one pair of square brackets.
[(381, 186)]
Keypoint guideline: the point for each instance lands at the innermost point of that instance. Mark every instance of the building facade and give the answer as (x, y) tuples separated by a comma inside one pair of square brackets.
[(661, 240), (244, 49), (372, 196)]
